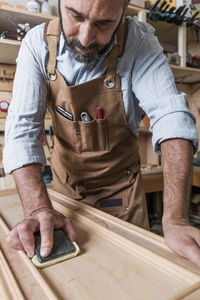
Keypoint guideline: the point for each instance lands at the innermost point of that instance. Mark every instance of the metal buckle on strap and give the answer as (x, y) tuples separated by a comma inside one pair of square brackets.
[(109, 83), (52, 76)]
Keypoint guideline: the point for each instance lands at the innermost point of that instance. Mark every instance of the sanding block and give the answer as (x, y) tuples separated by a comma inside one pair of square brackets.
[(63, 249)]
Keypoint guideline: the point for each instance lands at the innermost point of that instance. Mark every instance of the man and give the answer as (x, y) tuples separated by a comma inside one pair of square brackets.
[(97, 86)]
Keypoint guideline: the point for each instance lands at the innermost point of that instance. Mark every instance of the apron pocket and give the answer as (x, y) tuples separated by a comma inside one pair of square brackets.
[(94, 135), (68, 131)]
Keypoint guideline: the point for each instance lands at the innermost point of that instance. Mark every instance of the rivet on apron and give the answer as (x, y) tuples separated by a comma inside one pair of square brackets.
[(109, 84), (52, 77), (68, 178), (127, 172)]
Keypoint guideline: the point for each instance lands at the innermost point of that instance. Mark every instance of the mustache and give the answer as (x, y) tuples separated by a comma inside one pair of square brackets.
[(77, 43)]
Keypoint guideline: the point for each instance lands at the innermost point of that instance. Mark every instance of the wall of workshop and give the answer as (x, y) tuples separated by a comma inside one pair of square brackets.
[(52, 3)]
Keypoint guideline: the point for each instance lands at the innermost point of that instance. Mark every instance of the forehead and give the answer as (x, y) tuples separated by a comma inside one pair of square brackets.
[(95, 9)]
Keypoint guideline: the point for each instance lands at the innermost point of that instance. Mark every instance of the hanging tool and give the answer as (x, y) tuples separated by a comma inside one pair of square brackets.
[(20, 32)]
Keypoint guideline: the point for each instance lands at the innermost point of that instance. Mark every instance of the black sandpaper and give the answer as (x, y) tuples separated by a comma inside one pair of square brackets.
[(61, 246)]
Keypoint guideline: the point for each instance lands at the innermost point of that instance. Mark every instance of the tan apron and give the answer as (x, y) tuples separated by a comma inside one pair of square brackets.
[(96, 162)]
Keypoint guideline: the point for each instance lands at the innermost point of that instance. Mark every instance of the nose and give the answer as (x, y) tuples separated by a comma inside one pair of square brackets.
[(86, 34)]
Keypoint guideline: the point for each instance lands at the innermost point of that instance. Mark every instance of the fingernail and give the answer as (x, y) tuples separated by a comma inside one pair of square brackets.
[(44, 251), (30, 254)]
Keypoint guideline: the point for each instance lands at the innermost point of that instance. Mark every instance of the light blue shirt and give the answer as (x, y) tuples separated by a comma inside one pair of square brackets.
[(147, 86)]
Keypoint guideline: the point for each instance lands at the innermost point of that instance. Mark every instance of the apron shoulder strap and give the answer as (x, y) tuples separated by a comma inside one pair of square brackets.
[(115, 53), (51, 37)]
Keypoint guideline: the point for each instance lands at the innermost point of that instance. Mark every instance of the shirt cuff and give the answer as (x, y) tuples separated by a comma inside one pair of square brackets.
[(18, 154), (175, 125)]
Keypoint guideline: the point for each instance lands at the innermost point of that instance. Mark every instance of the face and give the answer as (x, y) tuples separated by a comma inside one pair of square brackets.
[(89, 25)]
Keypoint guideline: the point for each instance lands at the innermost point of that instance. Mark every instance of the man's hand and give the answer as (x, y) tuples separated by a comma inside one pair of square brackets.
[(44, 220), (184, 240)]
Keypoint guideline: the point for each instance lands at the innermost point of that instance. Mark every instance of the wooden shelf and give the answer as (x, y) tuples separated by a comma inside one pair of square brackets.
[(9, 48), (133, 10), (168, 32), (8, 51), (185, 74), (20, 17)]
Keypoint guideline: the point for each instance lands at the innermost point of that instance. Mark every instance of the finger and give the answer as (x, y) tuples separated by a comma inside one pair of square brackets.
[(26, 235), (192, 253), (46, 231), (13, 240), (69, 229), (62, 222)]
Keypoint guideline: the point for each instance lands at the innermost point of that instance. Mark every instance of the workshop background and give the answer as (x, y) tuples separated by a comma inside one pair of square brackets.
[(177, 26)]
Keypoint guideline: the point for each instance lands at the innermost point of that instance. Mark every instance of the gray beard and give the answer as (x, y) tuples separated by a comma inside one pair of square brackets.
[(88, 58)]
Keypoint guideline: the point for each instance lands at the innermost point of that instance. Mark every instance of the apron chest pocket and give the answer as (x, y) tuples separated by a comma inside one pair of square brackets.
[(94, 136)]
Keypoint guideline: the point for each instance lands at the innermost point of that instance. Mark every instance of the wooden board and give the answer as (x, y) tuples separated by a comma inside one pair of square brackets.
[(186, 75), (9, 51), (7, 71), (110, 265)]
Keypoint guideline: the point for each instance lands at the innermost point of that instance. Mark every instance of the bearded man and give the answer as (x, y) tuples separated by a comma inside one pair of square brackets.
[(98, 72)]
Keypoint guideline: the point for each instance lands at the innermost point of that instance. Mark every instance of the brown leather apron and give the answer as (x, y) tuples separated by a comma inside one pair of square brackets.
[(96, 162)]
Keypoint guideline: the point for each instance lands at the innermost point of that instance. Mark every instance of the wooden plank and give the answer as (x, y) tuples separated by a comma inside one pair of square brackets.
[(193, 292), (9, 277), (136, 234), (109, 266)]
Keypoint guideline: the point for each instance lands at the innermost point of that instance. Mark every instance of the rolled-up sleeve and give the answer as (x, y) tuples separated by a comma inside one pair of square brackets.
[(154, 86), (26, 113)]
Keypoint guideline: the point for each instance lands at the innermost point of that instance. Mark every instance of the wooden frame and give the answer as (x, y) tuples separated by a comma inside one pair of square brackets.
[(117, 260)]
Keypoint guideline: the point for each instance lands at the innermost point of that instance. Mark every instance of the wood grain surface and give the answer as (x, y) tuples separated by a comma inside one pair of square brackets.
[(111, 264)]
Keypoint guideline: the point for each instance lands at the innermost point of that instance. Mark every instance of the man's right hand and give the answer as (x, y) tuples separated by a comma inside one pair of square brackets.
[(44, 220)]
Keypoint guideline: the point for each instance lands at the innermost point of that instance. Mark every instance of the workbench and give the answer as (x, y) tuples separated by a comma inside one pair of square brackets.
[(117, 261)]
